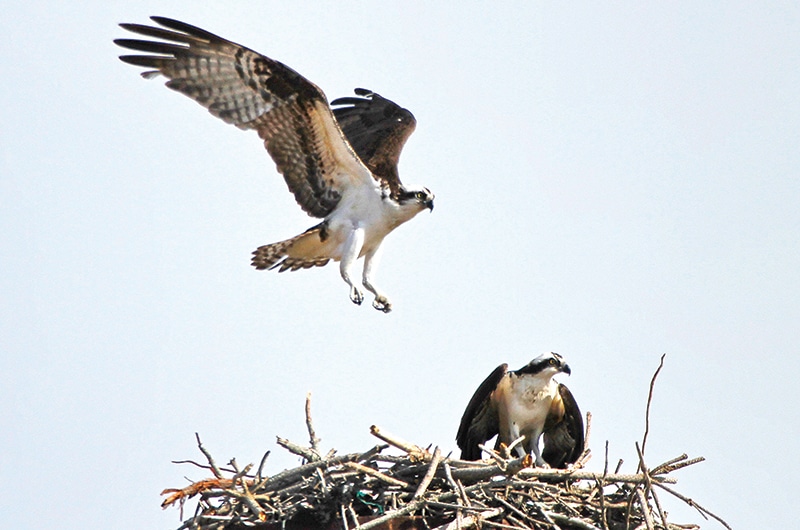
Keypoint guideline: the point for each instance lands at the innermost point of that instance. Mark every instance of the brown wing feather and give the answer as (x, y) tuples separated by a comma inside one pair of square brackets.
[(563, 431), (480, 420), (251, 91), (377, 129)]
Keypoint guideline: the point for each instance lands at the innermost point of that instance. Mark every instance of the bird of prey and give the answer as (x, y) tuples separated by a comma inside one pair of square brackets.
[(341, 165), (526, 402)]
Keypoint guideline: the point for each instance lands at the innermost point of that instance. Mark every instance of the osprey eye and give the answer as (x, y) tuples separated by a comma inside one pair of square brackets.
[(553, 362)]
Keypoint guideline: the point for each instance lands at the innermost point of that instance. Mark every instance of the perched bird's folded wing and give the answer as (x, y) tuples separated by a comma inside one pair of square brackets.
[(480, 421), (563, 431)]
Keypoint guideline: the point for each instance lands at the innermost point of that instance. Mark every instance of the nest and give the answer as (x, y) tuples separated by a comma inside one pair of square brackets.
[(419, 488)]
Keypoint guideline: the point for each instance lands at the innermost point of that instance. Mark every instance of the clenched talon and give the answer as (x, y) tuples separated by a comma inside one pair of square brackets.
[(381, 303), (355, 296)]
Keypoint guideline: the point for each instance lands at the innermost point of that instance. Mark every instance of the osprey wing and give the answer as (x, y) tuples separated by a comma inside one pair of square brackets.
[(563, 431), (480, 420), (377, 129), (251, 91)]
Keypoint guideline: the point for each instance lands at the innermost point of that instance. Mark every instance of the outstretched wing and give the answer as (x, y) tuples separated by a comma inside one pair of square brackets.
[(480, 420), (252, 91), (563, 431), (377, 129)]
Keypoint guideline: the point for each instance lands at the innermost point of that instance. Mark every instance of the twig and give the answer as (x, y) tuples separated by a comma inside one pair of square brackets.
[(704, 512), (214, 468), (470, 521), (377, 474), (674, 466), (308, 454), (456, 485), (411, 449), (426, 480), (312, 435), (649, 400), (586, 454), (513, 508), (497, 457), (353, 515), (600, 486), (408, 508), (649, 485), (259, 474), (286, 477), (648, 517), (515, 443), (572, 521)]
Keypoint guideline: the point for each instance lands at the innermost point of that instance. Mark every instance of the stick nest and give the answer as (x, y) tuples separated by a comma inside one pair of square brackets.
[(419, 488)]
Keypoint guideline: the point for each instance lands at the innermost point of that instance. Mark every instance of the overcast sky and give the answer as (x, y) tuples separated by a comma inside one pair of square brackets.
[(612, 183)]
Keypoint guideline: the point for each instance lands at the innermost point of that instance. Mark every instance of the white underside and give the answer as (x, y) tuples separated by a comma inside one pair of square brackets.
[(527, 400), (357, 227)]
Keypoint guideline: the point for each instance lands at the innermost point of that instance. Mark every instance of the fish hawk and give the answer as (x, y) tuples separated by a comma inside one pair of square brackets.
[(526, 402), (341, 165)]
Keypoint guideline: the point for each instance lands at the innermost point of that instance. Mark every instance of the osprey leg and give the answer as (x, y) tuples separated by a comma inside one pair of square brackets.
[(381, 303), (352, 249)]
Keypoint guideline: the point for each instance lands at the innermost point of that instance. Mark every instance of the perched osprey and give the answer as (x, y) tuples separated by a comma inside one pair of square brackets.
[(525, 402), (341, 169)]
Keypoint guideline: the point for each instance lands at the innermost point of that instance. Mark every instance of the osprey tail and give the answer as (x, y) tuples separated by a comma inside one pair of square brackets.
[(300, 252)]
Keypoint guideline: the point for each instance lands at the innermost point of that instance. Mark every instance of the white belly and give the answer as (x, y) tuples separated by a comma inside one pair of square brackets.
[(366, 209), (526, 404)]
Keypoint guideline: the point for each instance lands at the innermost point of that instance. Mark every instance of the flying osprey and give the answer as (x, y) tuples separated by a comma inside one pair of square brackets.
[(341, 169), (525, 402)]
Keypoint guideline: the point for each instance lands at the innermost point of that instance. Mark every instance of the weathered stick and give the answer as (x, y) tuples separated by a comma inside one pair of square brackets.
[(377, 474), (312, 435), (470, 521), (426, 480), (411, 449), (649, 400), (214, 468), (704, 512), (408, 508), (308, 454)]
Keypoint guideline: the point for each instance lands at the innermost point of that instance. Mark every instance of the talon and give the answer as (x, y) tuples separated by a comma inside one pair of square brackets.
[(355, 296), (381, 303)]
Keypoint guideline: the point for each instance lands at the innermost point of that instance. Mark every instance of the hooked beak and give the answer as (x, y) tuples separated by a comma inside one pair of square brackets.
[(429, 205), (566, 369)]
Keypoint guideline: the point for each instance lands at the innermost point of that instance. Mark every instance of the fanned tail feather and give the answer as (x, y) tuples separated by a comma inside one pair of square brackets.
[(280, 254)]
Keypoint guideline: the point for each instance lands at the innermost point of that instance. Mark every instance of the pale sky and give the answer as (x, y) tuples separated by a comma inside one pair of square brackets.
[(612, 183)]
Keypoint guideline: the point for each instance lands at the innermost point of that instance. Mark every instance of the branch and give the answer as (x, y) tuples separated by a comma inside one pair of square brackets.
[(214, 468), (649, 400), (312, 435), (426, 480), (414, 451)]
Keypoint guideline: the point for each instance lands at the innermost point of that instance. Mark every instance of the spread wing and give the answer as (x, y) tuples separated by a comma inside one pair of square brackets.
[(480, 420), (377, 129), (252, 91), (563, 431)]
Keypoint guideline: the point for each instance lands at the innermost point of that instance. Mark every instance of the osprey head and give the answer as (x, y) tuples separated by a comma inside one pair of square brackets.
[(546, 364), (421, 197)]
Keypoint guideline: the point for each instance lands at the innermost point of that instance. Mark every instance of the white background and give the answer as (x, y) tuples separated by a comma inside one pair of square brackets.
[(612, 183)]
